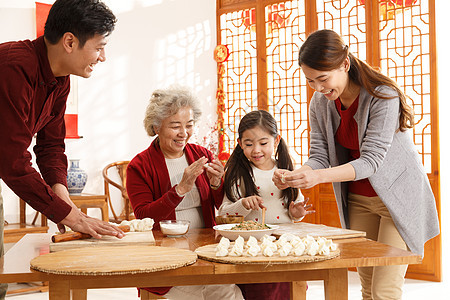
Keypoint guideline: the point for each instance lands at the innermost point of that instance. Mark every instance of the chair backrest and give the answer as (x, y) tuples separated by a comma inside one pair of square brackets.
[(121, 168)]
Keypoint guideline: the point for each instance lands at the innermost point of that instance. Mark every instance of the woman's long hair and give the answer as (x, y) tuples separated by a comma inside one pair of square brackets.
[(324, 50), (238, 169)]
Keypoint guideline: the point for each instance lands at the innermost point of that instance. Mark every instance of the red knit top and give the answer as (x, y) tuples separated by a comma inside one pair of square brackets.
[(347, 136)]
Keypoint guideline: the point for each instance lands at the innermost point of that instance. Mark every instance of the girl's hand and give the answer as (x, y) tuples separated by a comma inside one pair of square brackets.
[(190, 174), (279, 178), (215, 171), (253, 202), (300, 209)]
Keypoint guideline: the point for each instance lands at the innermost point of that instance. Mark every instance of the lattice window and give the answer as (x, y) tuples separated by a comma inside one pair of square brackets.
[(398, 41), (405, 57)]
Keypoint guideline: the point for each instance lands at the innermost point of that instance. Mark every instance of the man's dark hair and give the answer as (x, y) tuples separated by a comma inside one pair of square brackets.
[(83, 18)]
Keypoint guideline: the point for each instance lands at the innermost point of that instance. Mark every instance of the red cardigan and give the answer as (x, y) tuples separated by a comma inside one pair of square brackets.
[(151, 194)]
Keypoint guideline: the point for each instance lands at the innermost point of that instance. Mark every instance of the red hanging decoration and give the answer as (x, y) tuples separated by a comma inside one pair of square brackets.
[(221, 54)]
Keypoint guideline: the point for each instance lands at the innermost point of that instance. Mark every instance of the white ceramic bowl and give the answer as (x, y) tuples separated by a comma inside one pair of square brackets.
[(174, 228), (225, 230)]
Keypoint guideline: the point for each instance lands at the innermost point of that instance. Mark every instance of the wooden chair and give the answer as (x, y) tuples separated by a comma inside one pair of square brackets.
[(121, 168), (14, 232)]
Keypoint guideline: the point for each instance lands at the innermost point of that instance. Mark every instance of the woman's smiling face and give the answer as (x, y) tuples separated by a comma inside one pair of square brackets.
[(175, 132), (330, 83)]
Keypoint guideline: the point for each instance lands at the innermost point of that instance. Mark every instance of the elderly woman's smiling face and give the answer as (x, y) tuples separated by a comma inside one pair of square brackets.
[(175, 132)]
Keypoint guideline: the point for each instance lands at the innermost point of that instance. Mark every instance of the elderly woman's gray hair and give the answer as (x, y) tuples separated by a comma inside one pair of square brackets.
[(165, 103)]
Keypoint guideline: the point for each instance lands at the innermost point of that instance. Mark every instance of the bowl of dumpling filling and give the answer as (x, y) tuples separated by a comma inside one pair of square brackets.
[(245, 229)]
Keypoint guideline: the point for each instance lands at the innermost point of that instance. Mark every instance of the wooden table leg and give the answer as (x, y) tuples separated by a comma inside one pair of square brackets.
[(336, 284), (59, 290), (79, 294), (298, 290)]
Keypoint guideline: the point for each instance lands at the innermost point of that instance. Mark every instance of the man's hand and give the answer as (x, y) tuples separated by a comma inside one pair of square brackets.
[(80, 222)]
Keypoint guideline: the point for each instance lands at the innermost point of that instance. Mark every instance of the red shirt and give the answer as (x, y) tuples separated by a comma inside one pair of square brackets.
[(347, 136), (33, 101)]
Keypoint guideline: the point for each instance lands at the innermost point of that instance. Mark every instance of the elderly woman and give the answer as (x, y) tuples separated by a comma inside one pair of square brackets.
[(173, 179)]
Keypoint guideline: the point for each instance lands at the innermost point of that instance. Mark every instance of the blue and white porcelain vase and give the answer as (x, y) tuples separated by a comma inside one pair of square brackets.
[(76, 177)]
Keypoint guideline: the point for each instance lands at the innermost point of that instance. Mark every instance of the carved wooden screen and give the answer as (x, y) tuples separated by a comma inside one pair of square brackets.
[(264, 37)]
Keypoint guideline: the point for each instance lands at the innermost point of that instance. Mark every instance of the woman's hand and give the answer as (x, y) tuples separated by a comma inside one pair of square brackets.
[(302, 179), (279, 178), (190, 174), (215, 171), (300, 209), (253, 202)]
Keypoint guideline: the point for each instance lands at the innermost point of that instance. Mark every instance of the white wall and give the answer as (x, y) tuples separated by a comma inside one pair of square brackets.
[(156, 43)]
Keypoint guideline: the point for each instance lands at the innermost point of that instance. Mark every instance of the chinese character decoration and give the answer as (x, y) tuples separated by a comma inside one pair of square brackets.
[(221, 54), (275, 18), (388, 8)]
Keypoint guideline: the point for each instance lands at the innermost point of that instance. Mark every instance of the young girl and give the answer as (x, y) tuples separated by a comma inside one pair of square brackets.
[(248, 187)]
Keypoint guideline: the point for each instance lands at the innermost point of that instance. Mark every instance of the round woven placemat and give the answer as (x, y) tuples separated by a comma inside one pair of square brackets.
[(104, 260), (208, 252)]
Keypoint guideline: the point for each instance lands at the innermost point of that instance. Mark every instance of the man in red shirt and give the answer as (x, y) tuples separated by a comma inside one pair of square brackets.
[(34, 84)]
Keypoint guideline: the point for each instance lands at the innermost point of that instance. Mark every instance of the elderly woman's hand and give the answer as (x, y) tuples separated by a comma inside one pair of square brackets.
[(190, 174), (215, 171)]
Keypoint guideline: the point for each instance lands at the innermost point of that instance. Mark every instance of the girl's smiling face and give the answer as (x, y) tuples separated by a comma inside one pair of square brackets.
[(259, 146)]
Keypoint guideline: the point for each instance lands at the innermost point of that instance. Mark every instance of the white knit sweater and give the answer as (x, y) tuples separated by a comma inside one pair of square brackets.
[(277, 210)]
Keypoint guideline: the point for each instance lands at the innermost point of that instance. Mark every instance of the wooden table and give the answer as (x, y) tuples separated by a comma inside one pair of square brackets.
[(355, 252)]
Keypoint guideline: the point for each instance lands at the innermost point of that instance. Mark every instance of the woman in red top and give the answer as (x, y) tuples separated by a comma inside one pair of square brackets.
[(173, 179)]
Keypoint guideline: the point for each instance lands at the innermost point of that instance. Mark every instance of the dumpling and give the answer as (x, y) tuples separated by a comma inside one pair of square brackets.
[(268, 251), (285, 249), (252, 241), (313, 248), (239, 241), (221, 251), (237, 250), (148, 224), (253, 250), (224, 243), (287, 237), (299, 249), (268, 244), (268, 237), (295, 241)]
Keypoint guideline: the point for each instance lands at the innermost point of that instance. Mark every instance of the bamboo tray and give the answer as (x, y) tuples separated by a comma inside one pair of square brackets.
[(105, 260), (208, 252)]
